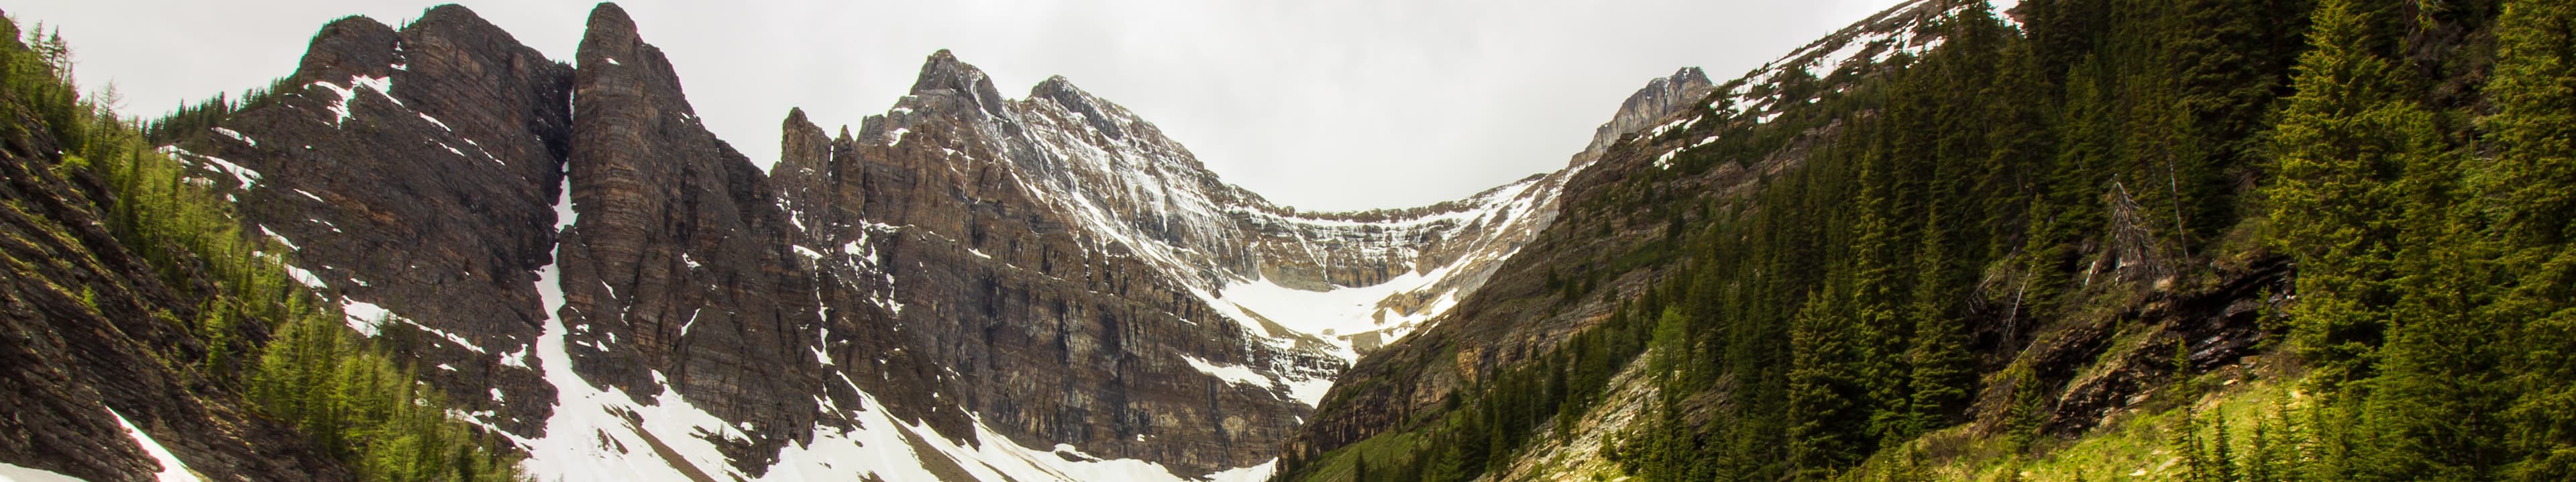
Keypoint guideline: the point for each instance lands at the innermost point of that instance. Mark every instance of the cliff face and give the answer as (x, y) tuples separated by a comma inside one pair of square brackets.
[(1090, 169), (676, 273), (409, 170), (1078, 273), (423, 178)]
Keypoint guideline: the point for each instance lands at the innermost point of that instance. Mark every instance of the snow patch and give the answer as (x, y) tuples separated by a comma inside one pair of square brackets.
[(171, 469), (1659, 130), (305, 277), (450, 337), (1826, 65), (14, 473), (383, 86), (281, 239), (246, 176), (433, 120), (1232, 373), (516, 359), (236, 135), (367, 318), (452, 149)]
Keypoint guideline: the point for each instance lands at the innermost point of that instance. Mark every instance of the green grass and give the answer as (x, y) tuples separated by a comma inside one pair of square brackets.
[(2132, 444), (1384, 452)]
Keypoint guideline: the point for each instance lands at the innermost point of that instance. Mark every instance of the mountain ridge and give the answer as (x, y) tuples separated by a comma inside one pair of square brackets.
[(1086, 215), (972, 286)]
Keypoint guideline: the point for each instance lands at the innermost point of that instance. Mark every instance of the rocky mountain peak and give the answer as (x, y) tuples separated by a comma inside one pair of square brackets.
[(1673, 88), (609, 25), (945, 77), (352, 46), (802, 146), (1660, 98), (460, 20), (611, 47), (1061, 91)]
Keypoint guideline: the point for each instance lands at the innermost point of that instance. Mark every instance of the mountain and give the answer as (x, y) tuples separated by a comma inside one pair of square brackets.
[(1948, 242), (969, 287)]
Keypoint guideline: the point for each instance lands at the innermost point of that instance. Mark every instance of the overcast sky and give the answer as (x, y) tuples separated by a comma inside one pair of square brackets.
[(1320, 104)]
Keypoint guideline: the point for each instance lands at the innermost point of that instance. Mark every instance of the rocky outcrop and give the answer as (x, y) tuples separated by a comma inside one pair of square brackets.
[(92, 340), (677, 271), (1660, 99)]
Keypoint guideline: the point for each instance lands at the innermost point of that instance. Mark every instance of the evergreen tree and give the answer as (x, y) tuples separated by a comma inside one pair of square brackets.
[(2331, 202), (1942, 368), (1827, 423), (2533, 186), (1360, 469)]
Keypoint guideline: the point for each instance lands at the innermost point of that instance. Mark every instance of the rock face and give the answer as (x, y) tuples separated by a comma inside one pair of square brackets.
[(90, 338), (1660, 99), (1044, 330), (412, 169), (678, 271), (1095, 171)]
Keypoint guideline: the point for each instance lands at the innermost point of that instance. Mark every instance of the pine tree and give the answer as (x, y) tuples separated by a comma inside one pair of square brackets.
[(1360, 469), (2228, 56), (2331, 204), (2534, 198), (1827, 423), (1942, 368)]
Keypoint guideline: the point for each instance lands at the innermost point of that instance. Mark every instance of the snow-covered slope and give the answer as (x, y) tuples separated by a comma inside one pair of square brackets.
[(1132, 191), (1319, 287)]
